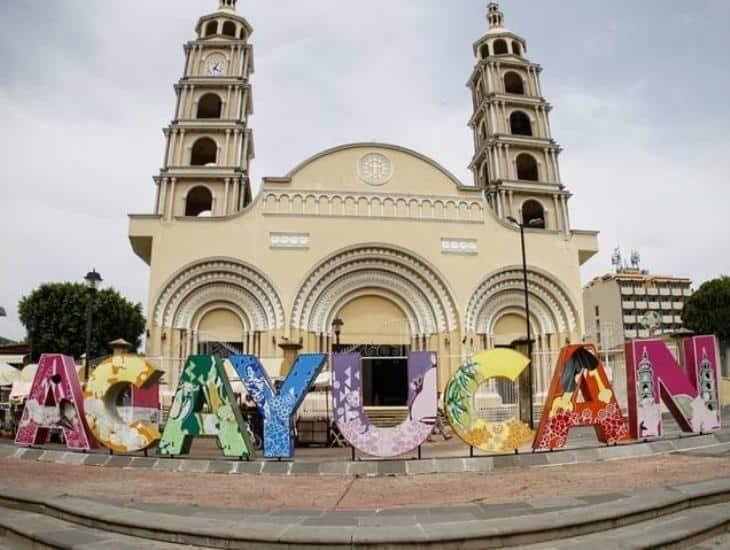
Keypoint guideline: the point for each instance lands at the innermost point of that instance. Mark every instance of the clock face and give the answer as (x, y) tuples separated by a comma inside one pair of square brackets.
[(216, 65)]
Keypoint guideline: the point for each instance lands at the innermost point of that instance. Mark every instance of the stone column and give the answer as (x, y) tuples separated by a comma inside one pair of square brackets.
[(225, 197), (171, 212)]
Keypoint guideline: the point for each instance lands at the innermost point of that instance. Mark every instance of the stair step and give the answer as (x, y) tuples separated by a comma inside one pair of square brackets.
[(21, 530), (683, 528)]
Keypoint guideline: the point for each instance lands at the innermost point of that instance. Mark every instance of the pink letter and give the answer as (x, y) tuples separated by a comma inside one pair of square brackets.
[(55, 401), (655, 377)]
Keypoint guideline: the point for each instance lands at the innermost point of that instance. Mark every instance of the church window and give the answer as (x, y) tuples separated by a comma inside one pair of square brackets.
[(211, 28), (500, 47), (199, 202), (484, 51), (513, 84), (229, 29), (516, 49), (527, 167), (210, 106), (533, 214), (205, 153), (520, 124)]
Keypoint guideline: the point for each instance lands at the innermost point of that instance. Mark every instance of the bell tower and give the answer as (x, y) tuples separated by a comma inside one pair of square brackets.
[(209, 144), (515, 160)]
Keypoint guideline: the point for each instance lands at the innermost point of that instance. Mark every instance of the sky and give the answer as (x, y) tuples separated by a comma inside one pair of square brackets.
[(639, 91)]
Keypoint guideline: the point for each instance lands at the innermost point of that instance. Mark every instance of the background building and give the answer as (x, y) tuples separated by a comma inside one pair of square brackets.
[(631, 303), (365, 246)]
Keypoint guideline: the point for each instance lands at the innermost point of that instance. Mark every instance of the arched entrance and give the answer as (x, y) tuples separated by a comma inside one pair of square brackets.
[(379, 330), (220, 331), (410, 290)]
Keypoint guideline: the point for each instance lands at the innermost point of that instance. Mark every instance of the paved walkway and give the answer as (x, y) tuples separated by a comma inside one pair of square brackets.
[(346, 492)]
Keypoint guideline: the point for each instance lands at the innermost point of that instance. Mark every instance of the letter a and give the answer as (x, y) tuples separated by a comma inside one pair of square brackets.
[(278, 409), (204, 380), (55, 401), (579, 370)]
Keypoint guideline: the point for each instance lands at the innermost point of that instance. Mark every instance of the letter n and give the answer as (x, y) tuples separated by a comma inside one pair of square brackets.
[(690, 393), (55, 401)]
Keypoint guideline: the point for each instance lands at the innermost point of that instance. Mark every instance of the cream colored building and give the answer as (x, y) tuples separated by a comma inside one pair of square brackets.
[(631, 303), (377, 235)]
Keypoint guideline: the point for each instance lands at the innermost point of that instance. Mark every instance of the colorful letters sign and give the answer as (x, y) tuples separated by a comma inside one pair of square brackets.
[(459, 402), (579, 373), (655, 377), (113, 376), (204, 380), (55, 401), (279, 409), (355, 425)]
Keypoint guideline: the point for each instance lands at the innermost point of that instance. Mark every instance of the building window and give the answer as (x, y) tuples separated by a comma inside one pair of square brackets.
[(205, 153), (199, 202), (533, 214), (516, 48), (527, 167), (520, 124), (598, 311), (210, 106), (484, 51), (229, 29), (211, 28), (513, 84), (500, 47)]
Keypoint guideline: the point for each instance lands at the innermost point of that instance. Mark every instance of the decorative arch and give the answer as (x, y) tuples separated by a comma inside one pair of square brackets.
[(520, 124), (211, 28), (550, 300), (398, 275), (229, 29), (210, 105), (533, 214), (198, 201), (513, 84), (527, 167), (500, 47), (224, 281), (204, 152)]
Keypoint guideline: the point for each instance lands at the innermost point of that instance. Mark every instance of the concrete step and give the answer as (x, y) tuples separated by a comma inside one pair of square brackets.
[(661, 517), (22, 530), (691, 528)]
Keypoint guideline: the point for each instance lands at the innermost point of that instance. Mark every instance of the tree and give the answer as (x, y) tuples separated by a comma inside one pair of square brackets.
[(708, 310), (54, 316)]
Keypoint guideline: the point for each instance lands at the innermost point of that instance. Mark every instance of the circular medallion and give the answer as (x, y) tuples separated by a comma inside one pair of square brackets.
[(375, 169)]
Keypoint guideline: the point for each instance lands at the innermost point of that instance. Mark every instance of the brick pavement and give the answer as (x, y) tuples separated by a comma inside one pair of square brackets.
[(341, 492)]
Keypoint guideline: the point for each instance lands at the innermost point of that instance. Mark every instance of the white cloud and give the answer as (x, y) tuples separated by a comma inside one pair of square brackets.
[(82, 104)]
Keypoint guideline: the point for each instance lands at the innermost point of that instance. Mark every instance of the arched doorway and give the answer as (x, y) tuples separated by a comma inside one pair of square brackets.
[(379, 330), (220, 332)]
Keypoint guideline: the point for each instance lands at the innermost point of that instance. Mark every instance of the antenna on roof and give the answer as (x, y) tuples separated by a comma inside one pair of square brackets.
[(635, 259), (616, 258)]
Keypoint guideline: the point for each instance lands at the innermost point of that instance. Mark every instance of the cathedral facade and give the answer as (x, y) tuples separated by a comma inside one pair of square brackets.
[(365, 246)]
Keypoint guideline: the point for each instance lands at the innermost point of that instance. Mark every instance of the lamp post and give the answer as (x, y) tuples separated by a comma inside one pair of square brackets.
[(93, 280), (337, 325), (536, 222)]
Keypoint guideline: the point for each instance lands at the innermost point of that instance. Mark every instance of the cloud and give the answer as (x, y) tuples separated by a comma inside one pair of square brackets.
[(639, 100)]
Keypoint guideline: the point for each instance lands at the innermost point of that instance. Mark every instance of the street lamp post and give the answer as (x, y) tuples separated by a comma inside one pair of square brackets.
[(93, 280), (337, 325), (537, 222)]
